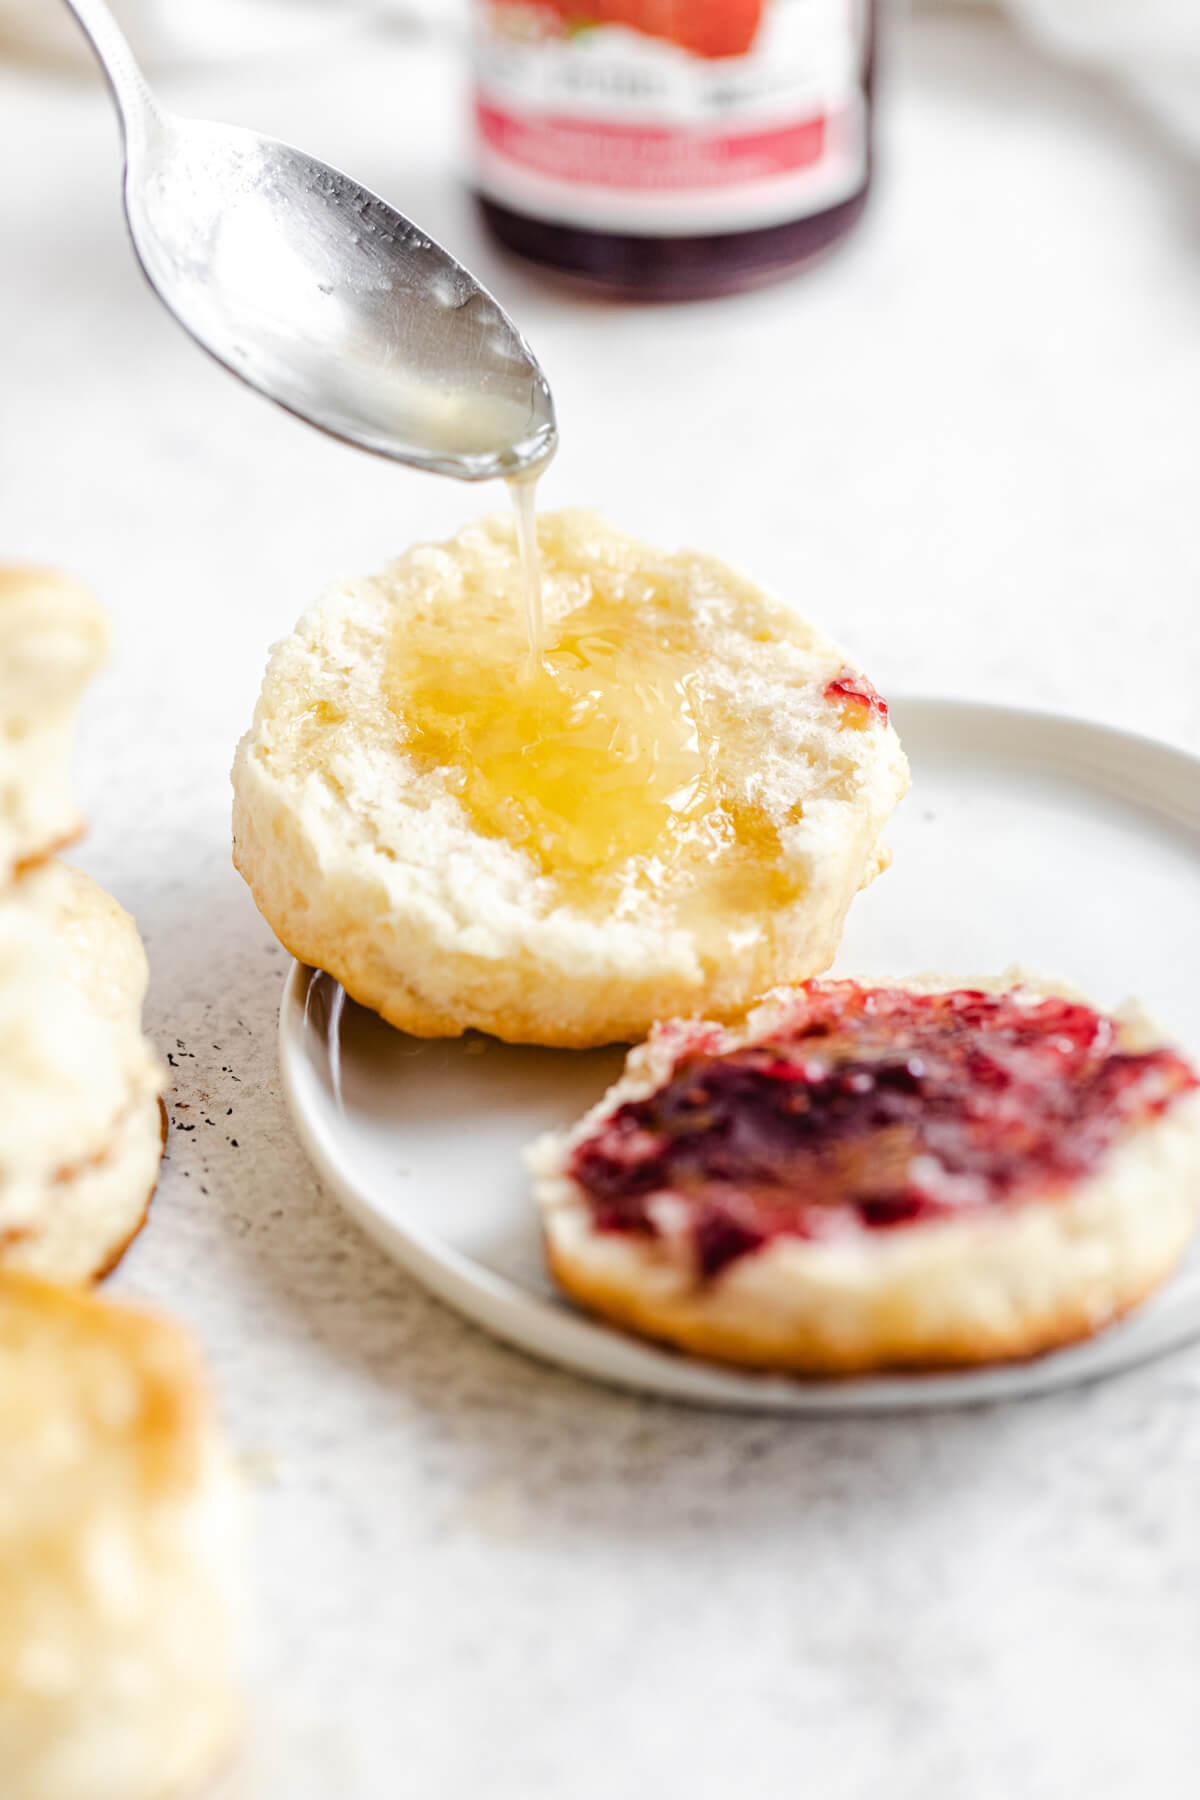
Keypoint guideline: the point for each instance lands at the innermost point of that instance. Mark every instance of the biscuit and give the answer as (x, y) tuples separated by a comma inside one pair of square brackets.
[(381, 820), (864, 1177), (80, 1119), (120, 1541), (53, 640)]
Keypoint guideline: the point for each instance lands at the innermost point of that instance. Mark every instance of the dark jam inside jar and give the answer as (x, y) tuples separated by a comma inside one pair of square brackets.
[(871, 1110), (689, 268), (613, 126)]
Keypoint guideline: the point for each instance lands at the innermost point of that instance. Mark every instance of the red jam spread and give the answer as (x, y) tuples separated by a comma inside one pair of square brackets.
[(855, 690), (869, 1109)]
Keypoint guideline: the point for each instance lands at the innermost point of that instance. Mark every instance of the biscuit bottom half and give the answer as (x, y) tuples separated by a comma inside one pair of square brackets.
[(872, 1176), (669, 809)]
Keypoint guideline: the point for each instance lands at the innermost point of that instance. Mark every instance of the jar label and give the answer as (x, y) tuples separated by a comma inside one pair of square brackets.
[(671, 117)]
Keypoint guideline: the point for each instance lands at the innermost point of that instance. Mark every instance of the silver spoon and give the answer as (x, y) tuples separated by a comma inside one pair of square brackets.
[(320, 295)]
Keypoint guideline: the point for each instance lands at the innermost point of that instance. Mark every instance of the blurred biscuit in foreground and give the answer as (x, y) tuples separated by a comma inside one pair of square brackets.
[(119, 1555)]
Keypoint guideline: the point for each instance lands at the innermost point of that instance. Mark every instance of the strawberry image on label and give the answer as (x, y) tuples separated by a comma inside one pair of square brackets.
[(705, 27)]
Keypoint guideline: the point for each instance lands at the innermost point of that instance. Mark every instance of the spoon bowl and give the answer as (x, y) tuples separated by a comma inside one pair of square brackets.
[(319, 294)]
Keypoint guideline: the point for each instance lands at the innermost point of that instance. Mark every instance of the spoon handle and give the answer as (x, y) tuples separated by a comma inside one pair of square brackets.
[(135, 103)]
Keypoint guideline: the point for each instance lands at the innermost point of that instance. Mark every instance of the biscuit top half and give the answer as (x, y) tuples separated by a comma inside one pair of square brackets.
[(684, 741)]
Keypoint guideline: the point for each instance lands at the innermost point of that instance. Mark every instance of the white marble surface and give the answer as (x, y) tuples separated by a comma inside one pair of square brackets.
[(969, 443)]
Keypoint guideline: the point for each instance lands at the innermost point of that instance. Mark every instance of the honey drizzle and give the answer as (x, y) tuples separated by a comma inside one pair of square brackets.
[(523, 489)]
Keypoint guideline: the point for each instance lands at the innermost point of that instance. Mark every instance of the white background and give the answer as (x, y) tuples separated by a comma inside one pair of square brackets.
[(967, 444)]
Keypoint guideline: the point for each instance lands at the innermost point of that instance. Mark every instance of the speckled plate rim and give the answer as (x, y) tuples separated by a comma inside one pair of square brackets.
[(1138, 770)]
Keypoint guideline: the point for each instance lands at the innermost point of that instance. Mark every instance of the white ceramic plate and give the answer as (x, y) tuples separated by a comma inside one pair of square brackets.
[(1070, 847)]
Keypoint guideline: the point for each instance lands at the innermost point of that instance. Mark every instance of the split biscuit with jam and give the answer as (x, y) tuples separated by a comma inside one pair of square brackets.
[(669, 811), (81, 1132), (867, 1177), (53, 640)]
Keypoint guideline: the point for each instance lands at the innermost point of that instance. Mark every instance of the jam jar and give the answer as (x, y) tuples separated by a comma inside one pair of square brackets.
[(672, 149)]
